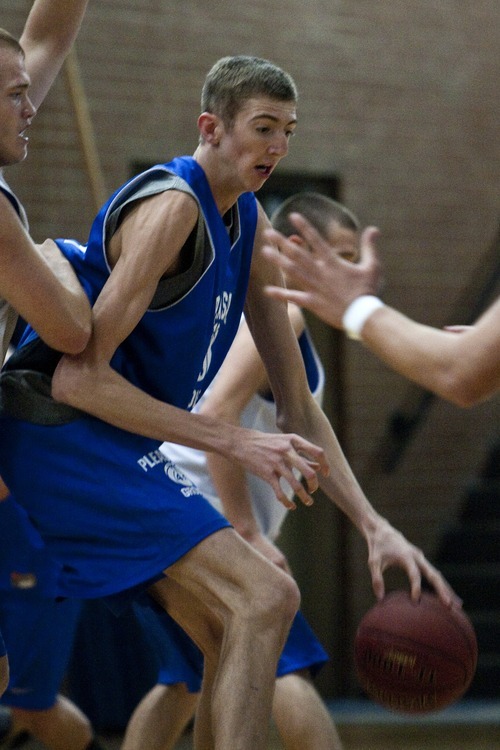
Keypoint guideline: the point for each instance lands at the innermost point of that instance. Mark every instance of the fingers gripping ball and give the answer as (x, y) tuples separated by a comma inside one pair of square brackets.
[(415, 657)]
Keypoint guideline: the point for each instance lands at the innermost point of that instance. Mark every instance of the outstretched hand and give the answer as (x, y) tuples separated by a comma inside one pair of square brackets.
[(318, 278), (387, 547)]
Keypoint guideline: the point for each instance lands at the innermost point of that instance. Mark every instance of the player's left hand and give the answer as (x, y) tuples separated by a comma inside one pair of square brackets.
[(387, 547)]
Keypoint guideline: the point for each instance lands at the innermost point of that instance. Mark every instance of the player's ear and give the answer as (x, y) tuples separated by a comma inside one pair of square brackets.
[(210, 128)]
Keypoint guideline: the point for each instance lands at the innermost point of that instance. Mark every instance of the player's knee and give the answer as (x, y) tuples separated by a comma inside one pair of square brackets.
[(62, 716), (36, 722), (277, 599), (290, 596)]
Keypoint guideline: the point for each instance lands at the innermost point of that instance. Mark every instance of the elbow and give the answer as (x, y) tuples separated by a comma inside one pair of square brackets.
[(463, 391), (74, 341), (68, 333), (76, 335), (466, 396), (79, 339), (82, 327)]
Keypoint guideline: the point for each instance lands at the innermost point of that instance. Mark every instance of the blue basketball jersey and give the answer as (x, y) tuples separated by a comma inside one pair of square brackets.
[(177, 347), (113, 512)]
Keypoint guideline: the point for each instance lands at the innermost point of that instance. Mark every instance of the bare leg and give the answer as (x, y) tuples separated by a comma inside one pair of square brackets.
[(301, 717), (160, 718), (238, 608), (4, 491), (60, 727), (203, 735), (4, 674)]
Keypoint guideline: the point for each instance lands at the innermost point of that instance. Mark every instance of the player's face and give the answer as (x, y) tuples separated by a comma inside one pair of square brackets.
[(258, 140), (343, 241), (16, 109)]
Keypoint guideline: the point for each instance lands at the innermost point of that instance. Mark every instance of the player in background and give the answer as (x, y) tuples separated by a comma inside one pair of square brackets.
[(39, 632), (240, 395), (38, 284)]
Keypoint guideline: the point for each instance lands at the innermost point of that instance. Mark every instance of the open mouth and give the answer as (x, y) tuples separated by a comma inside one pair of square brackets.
[(264, 170)]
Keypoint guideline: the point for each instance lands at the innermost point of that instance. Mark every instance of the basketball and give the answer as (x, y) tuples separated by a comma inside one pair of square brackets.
[(415, 658)]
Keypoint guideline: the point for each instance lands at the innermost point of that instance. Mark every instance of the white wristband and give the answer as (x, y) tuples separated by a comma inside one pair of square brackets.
[(358, 313)]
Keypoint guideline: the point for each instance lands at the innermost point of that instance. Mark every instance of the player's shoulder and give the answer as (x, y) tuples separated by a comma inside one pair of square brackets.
[(179, 199), (167, 208)]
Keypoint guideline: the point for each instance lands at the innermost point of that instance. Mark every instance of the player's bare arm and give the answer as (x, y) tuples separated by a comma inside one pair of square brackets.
[(146, 246), (298, 411), (461, 367), (49, 32), (49, 297), (464, 370)]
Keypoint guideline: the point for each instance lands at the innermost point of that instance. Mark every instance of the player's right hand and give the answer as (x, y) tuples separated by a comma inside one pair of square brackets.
[(277, 456)]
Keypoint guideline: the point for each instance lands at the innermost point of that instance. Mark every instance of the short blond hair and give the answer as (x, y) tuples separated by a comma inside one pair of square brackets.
[(234, 80)]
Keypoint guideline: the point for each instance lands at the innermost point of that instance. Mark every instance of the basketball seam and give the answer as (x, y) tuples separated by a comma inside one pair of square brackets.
[(385, 638)]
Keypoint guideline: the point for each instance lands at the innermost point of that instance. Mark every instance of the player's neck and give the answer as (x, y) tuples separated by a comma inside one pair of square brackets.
[(225, 196)]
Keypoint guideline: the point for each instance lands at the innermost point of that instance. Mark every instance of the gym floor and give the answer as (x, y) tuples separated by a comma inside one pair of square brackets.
[(469, 725)]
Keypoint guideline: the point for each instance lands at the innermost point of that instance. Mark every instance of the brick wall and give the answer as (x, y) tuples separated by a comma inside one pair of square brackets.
[(401, 101)]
